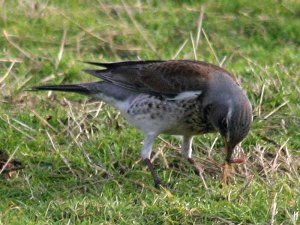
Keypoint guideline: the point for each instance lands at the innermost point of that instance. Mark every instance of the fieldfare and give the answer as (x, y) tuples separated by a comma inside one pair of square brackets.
[(177, 97)]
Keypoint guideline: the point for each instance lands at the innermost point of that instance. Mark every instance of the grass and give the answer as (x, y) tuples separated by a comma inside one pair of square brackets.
[(82, 162)]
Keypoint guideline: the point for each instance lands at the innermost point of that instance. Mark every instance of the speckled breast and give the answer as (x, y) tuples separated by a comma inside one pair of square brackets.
[(159, 114)]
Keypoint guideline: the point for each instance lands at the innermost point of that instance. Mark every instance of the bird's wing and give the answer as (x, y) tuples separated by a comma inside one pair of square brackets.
[(167, 78)]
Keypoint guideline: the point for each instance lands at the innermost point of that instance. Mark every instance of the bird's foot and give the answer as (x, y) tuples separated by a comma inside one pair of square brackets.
[(197, 168), (157, 182)]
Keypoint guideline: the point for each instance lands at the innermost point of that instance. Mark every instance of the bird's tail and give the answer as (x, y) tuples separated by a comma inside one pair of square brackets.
[(101, 90), (94, 89), (86, 88)]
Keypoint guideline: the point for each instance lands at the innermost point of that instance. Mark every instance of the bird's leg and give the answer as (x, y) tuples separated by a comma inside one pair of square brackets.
[(146, 153), (157, 181), (186, 150)]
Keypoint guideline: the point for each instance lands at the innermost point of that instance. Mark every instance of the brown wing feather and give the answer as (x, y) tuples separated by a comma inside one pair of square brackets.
[(160, 77)]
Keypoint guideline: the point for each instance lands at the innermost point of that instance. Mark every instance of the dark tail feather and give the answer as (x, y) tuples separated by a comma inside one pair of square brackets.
[(106, 73), (124, 63), (105, 65), (96, 73), (65, 87)]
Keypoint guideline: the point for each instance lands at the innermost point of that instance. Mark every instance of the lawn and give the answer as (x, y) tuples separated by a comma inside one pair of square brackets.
[(82, 160)]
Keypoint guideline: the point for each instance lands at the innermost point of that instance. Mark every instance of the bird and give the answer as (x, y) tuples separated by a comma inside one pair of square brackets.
[(175, 97)]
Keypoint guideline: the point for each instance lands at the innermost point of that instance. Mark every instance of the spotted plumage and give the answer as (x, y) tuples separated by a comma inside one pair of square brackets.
[(177, 97)]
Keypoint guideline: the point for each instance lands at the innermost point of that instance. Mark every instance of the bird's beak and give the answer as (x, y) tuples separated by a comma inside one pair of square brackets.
[(228, 151), (227, 165), (228, 160)]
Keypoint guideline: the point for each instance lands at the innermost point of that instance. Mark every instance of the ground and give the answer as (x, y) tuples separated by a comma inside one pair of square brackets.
[(81, 159)]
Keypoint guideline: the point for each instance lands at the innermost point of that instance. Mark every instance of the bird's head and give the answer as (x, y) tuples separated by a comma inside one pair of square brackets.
[(232, 117)]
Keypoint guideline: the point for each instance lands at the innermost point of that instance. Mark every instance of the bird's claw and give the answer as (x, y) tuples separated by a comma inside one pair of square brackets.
[(197, 168)]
